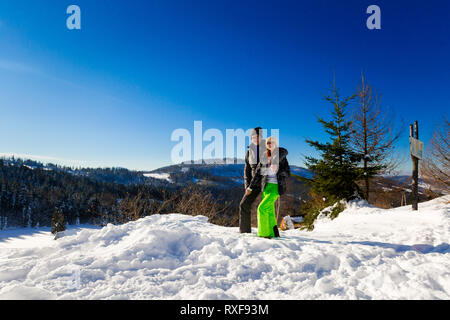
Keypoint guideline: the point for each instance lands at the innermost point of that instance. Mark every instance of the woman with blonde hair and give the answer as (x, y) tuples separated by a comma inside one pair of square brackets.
[(271, 173)]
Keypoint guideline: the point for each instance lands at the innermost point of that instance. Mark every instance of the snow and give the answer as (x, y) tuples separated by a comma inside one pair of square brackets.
[(365, 253), (161, 176)]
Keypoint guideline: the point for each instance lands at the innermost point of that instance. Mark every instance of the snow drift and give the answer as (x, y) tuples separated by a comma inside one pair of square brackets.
[(366, 253)]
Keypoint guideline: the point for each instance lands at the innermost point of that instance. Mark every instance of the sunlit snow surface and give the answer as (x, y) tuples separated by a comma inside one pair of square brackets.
[(366, 253), (161, 176)]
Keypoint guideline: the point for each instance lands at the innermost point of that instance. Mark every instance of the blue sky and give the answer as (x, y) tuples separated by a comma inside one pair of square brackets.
[(111, 93)]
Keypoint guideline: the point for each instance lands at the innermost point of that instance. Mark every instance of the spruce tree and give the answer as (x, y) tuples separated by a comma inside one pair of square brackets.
[(58, 222), (335, 172)]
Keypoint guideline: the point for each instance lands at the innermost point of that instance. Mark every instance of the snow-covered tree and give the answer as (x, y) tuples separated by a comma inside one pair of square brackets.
[(58, 222)]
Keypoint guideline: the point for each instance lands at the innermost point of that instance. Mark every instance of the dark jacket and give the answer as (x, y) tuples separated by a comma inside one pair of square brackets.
[(260, 176), (252, 159)]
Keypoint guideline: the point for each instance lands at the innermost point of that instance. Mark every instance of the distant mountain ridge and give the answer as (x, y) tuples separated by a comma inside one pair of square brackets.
[(30, 190), (216, 173), (220, 171)]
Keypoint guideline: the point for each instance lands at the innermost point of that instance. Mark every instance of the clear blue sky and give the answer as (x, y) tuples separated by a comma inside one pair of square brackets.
[(111, 93)]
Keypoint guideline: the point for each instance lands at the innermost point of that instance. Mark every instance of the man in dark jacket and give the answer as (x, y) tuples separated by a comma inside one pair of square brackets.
[(255, 152)]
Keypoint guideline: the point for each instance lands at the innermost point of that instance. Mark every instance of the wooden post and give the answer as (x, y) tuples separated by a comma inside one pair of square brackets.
[(415, 169), (278, 210), (403, 202)]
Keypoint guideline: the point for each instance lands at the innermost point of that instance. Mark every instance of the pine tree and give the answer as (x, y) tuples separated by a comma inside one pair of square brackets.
[(335, 173), (58, 222)]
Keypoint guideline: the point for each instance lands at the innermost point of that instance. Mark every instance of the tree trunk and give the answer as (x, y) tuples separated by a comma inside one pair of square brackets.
[(366, 179)]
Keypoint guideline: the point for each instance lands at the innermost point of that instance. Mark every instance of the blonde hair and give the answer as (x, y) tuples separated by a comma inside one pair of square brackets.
[(273, 140)]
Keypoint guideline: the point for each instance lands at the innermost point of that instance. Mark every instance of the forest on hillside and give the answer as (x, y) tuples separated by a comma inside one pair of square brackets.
[(30, 193)]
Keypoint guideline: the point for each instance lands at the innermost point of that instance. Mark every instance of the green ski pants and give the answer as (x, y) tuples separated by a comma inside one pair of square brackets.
[(266, 211)]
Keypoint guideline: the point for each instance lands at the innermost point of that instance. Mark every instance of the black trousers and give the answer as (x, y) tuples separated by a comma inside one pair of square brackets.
[(245, 207)]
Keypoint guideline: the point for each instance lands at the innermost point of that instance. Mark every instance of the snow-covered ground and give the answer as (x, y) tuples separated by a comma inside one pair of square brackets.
[(366, 253), (161, 176)]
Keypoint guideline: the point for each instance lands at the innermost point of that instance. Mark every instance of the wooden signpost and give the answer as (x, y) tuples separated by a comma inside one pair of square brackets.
[(416, 148)]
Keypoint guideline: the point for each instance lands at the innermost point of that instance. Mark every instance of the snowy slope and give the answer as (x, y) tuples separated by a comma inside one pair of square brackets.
[(162, 176), (366, 253)]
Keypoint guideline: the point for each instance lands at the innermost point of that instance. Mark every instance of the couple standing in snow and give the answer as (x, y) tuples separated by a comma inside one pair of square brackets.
[(266, 169)]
